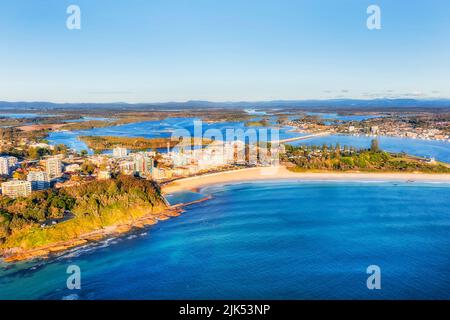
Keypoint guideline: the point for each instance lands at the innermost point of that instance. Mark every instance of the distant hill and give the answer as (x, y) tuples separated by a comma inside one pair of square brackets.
[(304, 104)]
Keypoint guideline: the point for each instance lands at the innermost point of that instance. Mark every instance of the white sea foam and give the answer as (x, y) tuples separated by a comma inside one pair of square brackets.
[(76, 252)]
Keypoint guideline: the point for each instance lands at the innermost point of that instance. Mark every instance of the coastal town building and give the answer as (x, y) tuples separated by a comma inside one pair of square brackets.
[(104, 175), (219, 154), (16, 188), (143, 164), (161, 173), (41, 145), (39, 180), (53, 167), (99, 160), (4, 166), (126, 167), (12, 161), (120, 152), (72, 168), (7, 164)]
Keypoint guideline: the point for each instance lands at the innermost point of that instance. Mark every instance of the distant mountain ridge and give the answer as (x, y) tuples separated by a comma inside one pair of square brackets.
[(332, 103)]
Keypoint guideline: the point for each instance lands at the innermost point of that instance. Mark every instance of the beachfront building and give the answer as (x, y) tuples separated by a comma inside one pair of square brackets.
[(234, 152), (143, 164), (185, 171), (53, 167), (215, 155), (39, 180), (161, 173), (210, 158), (16, 188), (120, 152)]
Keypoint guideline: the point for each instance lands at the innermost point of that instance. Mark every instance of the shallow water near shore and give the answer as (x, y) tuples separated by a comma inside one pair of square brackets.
[(267, 240)]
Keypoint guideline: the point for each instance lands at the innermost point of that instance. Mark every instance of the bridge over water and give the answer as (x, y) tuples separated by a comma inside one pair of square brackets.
[(314, 135)]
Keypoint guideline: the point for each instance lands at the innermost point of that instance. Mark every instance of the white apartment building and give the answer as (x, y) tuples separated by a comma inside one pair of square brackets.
[(120, 152), (6, 163), (53, 167), (16, 188), (4, 166), (215, 155), (39, 180), (12, 161)]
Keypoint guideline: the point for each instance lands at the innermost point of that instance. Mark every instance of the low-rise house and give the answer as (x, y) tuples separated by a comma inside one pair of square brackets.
[(104, 175), (72, 168)]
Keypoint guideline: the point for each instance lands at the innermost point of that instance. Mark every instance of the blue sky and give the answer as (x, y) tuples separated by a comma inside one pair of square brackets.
[(233, 50)]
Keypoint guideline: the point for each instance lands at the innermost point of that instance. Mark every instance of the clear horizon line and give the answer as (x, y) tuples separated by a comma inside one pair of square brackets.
[(231, 101)]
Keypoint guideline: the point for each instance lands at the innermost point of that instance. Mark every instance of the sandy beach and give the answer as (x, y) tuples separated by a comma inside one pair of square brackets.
[(34, 127), (281, 173)]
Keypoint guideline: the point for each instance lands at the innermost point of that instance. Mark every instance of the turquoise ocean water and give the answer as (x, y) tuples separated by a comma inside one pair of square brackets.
[(267, 240)]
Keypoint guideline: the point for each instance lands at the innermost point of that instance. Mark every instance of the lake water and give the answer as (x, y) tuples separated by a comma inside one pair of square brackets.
[(157, 129), (284, 240), (85, 119), (25, 115), (164, 128)]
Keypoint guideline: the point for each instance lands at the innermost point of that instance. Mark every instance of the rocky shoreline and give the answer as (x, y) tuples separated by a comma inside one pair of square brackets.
[(44, 252)]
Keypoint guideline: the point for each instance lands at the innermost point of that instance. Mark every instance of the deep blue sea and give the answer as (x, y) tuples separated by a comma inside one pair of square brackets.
[(267, 240)]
